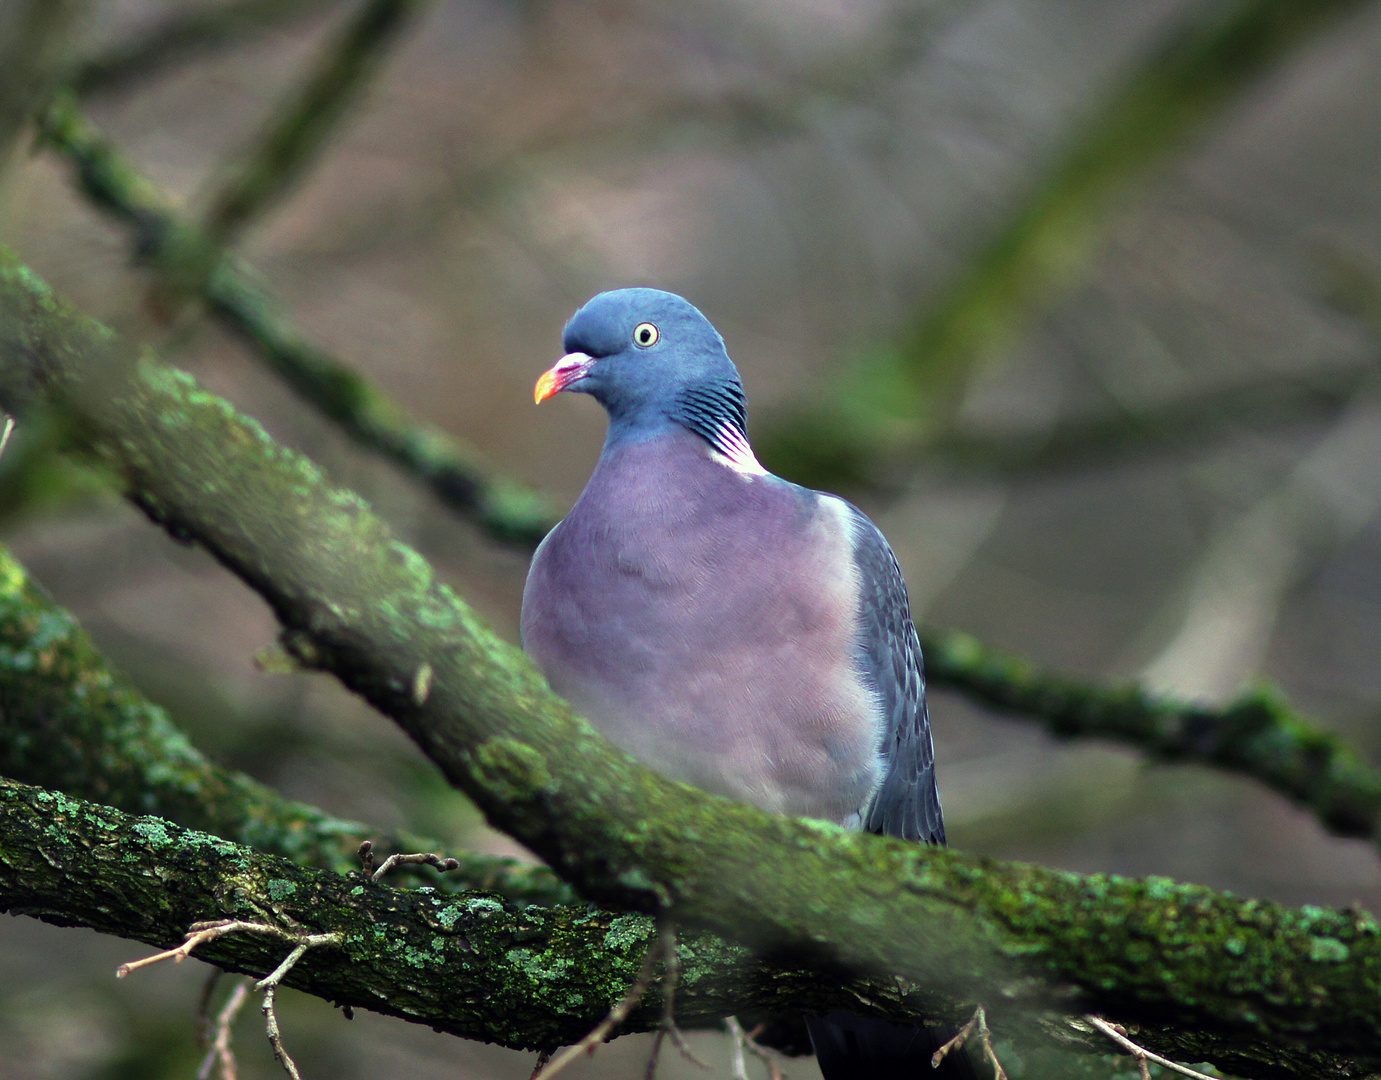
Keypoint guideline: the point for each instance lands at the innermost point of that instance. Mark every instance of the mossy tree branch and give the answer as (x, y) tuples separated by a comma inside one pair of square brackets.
[(180, 254), (1260, 735), (468, 964), (70, 723), (1251, 986)]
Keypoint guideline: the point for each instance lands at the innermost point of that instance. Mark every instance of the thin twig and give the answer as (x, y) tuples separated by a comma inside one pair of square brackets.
[(746, 1041), (199, 934), (219, 1051), (443, 863), (294, 137), (5, 435), (617, 1015), (275, 1036), (977, 1025), (203, 932), (671, 977), (1119, 1036)]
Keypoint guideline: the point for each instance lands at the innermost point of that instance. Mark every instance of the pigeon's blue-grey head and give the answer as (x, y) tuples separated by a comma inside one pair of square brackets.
[(652, 360)]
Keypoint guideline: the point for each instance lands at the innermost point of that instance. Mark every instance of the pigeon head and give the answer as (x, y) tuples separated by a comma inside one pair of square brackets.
[(652, 360)]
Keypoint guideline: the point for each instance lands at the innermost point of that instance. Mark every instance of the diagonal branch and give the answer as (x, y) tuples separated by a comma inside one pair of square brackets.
[(1181, 424), (357, 603), (892, 403), (103, 741), (454, 471), (1259, 735), (183, 36), (292, 139), (466, 964)]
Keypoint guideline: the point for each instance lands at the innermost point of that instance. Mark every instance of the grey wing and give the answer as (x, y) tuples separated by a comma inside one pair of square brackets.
[(906, 803)]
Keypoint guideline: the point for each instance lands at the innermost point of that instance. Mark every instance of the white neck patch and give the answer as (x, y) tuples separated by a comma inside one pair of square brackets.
[(731, 448)]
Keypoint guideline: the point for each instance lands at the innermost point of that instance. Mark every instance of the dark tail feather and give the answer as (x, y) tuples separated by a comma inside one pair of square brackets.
[(850, 1047)]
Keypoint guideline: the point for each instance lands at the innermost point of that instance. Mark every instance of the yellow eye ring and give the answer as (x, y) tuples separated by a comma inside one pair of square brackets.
[(645, 335)]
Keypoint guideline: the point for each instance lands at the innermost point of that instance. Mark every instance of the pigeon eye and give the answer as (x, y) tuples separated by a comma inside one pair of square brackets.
[(645, 335)]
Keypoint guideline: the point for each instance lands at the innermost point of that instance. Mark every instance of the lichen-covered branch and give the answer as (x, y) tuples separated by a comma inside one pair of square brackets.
[(905, 390), (70, 723), (183, 35), (175, 250), (1251, 986), (468, 964), (295, 136), (1260, 735)]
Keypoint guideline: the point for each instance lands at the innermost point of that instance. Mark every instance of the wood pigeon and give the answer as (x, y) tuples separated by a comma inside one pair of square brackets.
[(728, 628)]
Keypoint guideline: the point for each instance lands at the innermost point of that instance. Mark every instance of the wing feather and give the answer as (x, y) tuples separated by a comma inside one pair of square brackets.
[(906, 802)]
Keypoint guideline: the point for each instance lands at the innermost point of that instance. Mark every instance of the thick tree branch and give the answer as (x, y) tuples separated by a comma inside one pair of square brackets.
[(70, 723), (1260, 735), (1253, 986), (468, 964), (454, 471)]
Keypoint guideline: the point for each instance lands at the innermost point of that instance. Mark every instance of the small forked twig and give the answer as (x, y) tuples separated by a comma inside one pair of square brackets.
[(209, 931), (671, 974), (977, 1025), (1118, 1035), (200, 933), (218, 1052), (744, 1041), (664, 949), (605, 1027), (421, 858)]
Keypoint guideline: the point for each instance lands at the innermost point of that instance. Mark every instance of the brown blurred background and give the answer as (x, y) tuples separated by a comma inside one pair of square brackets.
[(816, 175)]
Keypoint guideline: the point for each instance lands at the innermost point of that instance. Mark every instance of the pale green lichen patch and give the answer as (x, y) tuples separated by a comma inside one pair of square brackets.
[(1327, 950), (629, 931), (153, 830), (279, 890), (547, 976), (484, 907)]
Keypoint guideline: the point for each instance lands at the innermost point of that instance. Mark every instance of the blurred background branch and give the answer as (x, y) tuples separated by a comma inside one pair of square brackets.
[(1259, 735), (182, 36), (295, 135), (171, 246), (906, 390), (34, 39)]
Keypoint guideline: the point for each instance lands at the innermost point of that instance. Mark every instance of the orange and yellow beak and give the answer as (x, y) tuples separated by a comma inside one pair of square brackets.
[(570, 367)]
